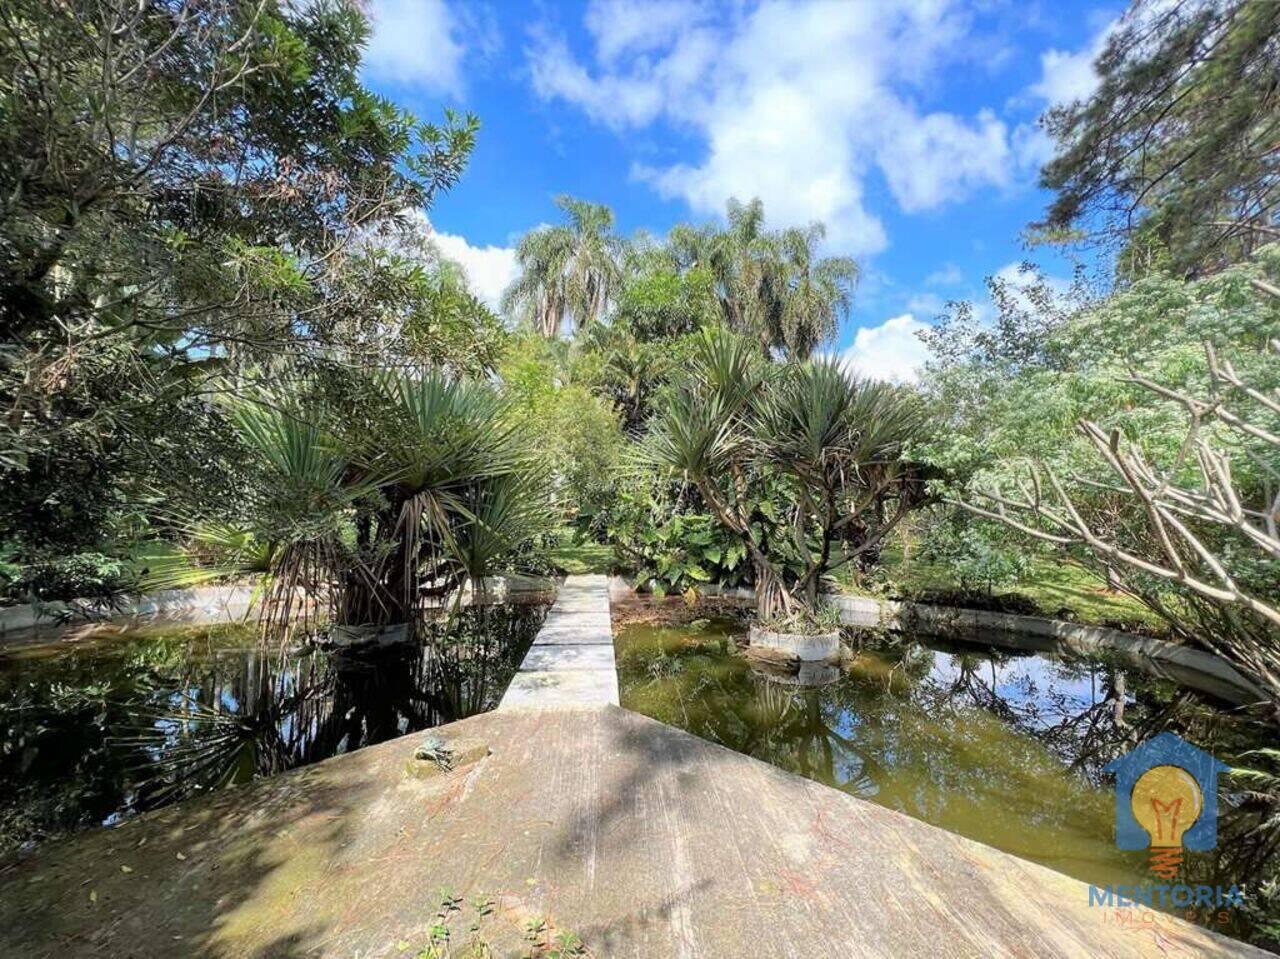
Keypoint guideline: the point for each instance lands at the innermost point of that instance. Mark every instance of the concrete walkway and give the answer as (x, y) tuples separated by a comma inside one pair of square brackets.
[(571, 661), (645, 841)]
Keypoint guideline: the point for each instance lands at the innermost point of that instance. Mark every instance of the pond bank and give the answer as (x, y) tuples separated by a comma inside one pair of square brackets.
[(641, 839), (202, 605), (1195, 667)]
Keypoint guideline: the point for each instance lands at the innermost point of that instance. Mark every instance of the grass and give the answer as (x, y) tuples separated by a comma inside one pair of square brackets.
[(1053, 585), (575, 557)]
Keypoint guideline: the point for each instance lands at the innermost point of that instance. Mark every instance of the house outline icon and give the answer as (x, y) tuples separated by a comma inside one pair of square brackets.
[(1166, 749)]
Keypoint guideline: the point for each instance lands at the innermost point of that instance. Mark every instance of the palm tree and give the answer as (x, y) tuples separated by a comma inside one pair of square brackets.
[(567, 270), (540, 294), (420, 482), (771, 286), (815, 293), (807, 466)]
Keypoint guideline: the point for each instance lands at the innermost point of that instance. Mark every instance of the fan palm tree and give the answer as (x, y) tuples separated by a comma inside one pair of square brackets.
[(570, 270), (422, 481), (500, 513)]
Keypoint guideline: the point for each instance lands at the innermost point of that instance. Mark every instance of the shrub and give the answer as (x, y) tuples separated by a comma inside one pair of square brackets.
[(671, 544), (93, 576), (973, 557)]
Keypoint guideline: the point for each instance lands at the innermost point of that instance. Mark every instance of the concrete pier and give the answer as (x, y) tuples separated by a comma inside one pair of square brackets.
[(571, 661), (643, 840)]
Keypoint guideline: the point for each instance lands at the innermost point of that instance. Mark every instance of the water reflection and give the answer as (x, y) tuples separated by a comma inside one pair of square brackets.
[(94, 731), (1002, 747)]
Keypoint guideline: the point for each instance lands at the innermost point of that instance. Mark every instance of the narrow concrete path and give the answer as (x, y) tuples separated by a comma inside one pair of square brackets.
[(571, 661)]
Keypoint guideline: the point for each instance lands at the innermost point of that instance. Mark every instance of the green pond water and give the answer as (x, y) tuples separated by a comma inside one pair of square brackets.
[(1004, 748), (94, 730)]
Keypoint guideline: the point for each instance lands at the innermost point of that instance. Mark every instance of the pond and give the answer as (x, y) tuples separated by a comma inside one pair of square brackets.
[(1004, 748), (95, 730)]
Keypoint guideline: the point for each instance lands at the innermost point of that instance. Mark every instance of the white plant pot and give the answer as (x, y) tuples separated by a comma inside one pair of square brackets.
[(819, 647)]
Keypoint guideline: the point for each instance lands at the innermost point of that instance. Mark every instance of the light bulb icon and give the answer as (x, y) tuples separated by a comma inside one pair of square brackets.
[(1166, 802)]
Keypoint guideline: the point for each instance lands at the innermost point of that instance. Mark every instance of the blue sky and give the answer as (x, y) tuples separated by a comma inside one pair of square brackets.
[(907, 127)]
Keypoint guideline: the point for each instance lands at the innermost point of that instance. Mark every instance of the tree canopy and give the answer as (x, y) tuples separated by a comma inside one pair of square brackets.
[(195, 196), (1175, 153)]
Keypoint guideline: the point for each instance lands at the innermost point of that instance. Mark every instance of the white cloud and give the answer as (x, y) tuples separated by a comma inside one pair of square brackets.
[(947, 275), (635, 26), (416, 43), (891, 351), (616, 101), (1068, 75), (1019, 275), (1032, 146), (489, 269), (931, 160), (796, 103), (926, 304)]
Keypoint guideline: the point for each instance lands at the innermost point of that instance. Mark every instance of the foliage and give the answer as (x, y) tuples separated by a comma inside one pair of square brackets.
[(1193, 536), (193, 203), (566, 271), (970, 552), (838, 447), (664, 532), (1128, 369), (1259, 783), (1172, 155), (998, 400), (770, 285), (574, 431), (92, 576), (417, 483)]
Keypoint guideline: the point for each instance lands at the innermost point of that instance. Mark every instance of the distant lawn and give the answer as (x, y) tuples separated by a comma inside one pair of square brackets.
[(1051, 584), (575, 558)]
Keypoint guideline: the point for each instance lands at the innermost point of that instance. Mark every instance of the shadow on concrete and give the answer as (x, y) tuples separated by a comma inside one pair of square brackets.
[(175, 882)]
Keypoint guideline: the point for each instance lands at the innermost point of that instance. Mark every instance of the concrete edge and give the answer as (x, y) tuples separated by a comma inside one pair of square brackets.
[(226, 602), (867, 611), (214, 602)]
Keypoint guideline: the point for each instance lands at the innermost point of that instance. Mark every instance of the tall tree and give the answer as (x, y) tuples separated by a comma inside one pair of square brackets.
[(771, 286), (1177, 149), (571, 270), (190, 191)]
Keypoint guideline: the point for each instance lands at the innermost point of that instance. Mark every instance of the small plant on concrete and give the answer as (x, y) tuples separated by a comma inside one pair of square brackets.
[(541, 940), (823, 618)]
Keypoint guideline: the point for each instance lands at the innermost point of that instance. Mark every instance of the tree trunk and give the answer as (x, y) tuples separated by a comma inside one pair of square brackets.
[(772, 596)]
